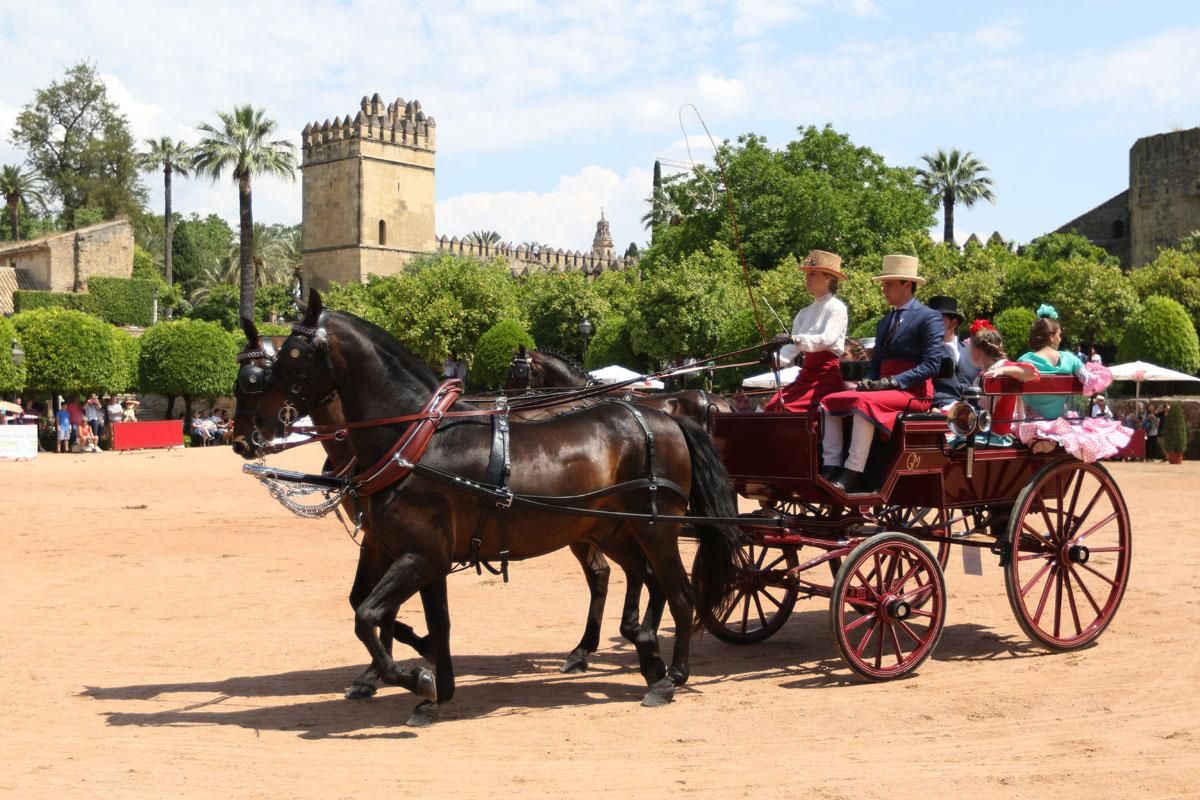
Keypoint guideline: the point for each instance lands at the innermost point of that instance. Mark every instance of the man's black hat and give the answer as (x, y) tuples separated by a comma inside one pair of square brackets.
[(946, 306)]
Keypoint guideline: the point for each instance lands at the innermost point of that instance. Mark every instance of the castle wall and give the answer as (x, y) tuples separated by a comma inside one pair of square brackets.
[(1107, 225), (35, 260), (1164, 192), (105, 250), (547, 259)]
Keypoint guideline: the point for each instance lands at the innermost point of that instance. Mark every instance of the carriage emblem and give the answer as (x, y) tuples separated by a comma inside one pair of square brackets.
[(913, 461)]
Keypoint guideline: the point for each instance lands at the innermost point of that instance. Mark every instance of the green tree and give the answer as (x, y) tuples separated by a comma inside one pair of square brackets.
[(201, 246), (1094, 301), (173, 158), (611, 345), (555, 303), (241, 145), (19, 188), (218, 304), (1175, 273), (12, 376), (819, 191), (1014, 325), (81, 146), (483, 237), (127, 348), (1175, 432), (954, 178), (188, 359), (495, 351), (1160, 331), (1054, 247), (68, 352)]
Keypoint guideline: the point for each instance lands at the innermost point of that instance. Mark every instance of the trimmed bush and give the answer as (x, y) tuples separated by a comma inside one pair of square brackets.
[(1174, 437), (123, 301), (69, 352), (127, 350), (1014, 325), (188, 358), (1161, 332), (494, 353), (12, 377), (29, 300)]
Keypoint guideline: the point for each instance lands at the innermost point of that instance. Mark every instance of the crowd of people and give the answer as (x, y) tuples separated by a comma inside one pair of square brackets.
[(212, 428), (918, 364)]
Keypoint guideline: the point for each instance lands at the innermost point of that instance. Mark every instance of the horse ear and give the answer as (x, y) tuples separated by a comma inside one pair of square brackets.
[(521, 350), (314, 306), (251, 331)]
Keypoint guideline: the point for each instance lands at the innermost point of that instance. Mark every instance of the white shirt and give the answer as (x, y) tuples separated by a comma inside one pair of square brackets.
[(817, 327)]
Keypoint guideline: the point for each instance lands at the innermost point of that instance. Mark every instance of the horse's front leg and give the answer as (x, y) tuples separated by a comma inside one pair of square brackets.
[(596, 571), (437, 617), (403, 579)]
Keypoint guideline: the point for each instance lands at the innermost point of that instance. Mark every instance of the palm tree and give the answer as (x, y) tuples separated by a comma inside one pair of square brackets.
[(955, 178), (173, 158), (19, 188), (483, 237), (240, 144)]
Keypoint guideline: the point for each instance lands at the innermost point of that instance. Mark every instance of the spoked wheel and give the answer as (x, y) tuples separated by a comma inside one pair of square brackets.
[(888, 606), (760, 601), (1068, 556), (908, 518), (800, 508)]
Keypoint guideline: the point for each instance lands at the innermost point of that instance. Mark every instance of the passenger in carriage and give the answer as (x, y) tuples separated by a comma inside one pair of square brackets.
[(819, 334), (1089, 438), (907, 355), (990, 360), (947, 390)]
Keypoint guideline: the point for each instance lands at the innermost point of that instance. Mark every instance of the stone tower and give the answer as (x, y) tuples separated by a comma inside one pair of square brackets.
[(1164, 192), (368, 192), (602, 245)]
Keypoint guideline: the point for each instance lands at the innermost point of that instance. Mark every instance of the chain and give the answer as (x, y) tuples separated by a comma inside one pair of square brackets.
[(287, 492)]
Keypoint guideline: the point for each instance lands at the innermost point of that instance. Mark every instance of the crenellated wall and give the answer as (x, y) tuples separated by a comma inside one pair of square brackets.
[(1164, 191), (546, 259)]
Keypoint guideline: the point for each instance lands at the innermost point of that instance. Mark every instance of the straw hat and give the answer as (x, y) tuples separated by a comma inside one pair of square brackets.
[(823, 261), (900, 268)]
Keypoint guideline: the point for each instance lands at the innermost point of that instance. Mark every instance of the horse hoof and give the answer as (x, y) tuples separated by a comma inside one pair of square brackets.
[(576, 662), (360, 691), (424, 715), (660, 694), (424, 684)]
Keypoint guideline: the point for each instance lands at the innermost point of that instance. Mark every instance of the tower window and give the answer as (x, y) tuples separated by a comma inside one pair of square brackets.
[(1118, 229), (382, 232)]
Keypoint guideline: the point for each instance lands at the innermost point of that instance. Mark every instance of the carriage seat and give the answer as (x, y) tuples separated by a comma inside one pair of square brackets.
[(1046, 384)]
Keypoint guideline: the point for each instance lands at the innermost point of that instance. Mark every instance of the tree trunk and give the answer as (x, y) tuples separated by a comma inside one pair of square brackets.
[(14, 219), (170, 405), (948, 219), (246, 256), (168, 227), (187, 414)]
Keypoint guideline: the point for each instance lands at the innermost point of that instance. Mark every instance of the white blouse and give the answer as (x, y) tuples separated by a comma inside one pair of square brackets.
[(819, 326)]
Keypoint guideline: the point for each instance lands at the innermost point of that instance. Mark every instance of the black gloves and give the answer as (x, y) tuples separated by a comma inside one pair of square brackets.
[(779, 340), (880, 385)]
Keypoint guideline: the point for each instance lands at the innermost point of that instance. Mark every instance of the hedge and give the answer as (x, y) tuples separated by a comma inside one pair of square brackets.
[(70, 352), (12, 377), (1175, 435), (30, 299), (124, 301)]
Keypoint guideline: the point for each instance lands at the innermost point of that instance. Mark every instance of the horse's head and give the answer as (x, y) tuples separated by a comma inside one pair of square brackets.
[(253, 380), (302, 377), (521, 372)]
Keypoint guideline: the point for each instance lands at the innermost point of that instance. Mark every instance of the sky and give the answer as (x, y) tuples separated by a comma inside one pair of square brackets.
[(548, 112)]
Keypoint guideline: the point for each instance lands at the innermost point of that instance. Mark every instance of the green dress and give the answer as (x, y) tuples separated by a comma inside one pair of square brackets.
[(1050, 406)]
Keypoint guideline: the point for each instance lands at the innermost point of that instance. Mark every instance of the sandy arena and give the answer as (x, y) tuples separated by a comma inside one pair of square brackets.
[(168, 630)]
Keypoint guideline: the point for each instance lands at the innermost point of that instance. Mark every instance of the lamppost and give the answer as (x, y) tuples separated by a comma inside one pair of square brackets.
[(586, 329), (18, 355)]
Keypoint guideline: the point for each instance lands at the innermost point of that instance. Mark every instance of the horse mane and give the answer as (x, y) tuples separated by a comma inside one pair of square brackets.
[(395, 356), (569, 362)]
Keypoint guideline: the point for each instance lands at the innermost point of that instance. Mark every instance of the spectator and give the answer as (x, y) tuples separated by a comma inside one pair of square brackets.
[(217, 426), (1162, 424), (200, 429), (89, 442), (75, 410), (62, 429), (741, 403), (1095, 356), (1150, 425), (130, 412), (1100, 408), (94, 415)]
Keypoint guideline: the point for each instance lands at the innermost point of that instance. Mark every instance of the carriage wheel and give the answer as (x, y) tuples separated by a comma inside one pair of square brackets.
[(1068, 556), (888, 606), (760, 601), (904, 518)]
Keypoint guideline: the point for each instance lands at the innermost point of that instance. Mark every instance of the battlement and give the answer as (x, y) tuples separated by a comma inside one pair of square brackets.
[(398, 123), (522, 261)]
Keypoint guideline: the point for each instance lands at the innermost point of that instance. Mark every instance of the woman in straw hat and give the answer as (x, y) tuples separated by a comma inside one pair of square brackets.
[(819, 332), (907, 356)]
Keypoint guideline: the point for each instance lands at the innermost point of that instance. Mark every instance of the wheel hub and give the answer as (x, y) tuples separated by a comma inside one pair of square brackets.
[(1078, 554), (897, 609)]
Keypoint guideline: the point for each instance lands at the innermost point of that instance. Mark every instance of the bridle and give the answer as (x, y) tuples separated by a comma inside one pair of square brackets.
[(520, 373), (315, 343)]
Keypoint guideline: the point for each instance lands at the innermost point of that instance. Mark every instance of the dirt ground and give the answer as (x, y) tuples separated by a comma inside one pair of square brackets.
[(169, 630)]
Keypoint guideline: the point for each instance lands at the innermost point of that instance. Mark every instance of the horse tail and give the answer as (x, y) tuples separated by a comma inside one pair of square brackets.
[(720, 545)]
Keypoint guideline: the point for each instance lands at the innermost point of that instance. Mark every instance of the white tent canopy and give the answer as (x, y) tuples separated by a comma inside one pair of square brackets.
[(614, 373), (1145, 371), (767, 379)]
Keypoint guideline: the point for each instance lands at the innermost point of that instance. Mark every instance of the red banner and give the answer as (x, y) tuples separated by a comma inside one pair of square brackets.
[(145, 435)]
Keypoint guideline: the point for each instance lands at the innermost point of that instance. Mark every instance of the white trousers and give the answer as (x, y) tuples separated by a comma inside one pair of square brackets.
[(861, 436)]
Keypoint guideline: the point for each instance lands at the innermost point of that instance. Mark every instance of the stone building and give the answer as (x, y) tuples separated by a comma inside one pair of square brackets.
[(63, 262), (1160, 207), (368, 201)]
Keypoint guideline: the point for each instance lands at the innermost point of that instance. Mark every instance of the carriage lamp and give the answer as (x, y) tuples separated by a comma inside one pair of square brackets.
[(964, 422), (586, 329), (18, 355)]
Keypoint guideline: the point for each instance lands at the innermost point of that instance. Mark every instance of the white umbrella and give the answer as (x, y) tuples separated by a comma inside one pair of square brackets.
[(1145, 371), (614, 373), (767, 379)]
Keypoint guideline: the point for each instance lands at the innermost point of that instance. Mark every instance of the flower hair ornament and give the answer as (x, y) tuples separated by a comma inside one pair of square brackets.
[(981, 325), (1047, 310)]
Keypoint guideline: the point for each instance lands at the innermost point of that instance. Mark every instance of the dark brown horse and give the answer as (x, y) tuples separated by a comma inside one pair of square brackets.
[(425, 521)]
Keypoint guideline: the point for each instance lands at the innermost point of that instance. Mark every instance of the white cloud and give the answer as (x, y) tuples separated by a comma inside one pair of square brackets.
[(1000, 36), (864, 8), (564, 217), (753, 18), (726, 95)]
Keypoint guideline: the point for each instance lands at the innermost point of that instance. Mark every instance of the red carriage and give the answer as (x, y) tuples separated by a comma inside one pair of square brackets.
[(1059, 527)]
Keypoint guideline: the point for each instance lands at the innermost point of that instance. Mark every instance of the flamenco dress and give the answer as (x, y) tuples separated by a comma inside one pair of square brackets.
[(1086, 438)]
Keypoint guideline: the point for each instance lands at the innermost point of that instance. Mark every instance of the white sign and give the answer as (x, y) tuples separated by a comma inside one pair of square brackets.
[(18, 441)]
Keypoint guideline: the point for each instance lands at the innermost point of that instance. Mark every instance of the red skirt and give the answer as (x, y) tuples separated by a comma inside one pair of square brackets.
[(820, 375), (882, 408)]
